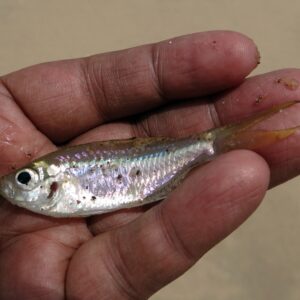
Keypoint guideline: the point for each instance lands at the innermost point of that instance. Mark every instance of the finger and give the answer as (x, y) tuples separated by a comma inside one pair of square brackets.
[(255, 94), (20, 141), (138, 259), (260, 93), (66, 98)]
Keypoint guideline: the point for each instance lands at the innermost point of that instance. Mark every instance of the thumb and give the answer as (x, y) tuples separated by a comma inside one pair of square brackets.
[(136, 260)]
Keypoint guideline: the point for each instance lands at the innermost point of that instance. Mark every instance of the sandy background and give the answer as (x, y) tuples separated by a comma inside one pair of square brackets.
[(261, 259)]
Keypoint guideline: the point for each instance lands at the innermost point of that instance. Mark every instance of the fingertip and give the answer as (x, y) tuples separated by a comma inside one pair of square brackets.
[(240, 52), (207, 61), (216, 198), (246, 176), (237, 173)]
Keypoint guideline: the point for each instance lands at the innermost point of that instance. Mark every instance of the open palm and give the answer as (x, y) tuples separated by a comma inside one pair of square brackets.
[(173, 88)]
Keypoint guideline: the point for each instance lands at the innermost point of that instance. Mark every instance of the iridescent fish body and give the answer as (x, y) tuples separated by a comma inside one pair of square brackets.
[(101, 177)]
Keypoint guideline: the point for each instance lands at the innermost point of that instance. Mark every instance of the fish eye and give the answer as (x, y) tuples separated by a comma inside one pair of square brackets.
[(27, 179), (24, 177)]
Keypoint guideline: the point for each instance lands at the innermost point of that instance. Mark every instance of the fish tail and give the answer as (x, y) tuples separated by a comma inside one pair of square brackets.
[(242, 136)]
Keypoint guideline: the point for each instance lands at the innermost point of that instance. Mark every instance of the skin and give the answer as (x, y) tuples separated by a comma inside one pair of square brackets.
[(172, 89)]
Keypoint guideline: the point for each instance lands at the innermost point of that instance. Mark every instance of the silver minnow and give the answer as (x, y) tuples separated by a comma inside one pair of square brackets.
[(101, 177)]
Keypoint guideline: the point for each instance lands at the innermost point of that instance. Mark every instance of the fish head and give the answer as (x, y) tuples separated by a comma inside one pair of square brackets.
[(35, 187)]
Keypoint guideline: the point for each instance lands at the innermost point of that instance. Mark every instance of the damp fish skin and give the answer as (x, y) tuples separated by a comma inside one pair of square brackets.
[(101, 177)]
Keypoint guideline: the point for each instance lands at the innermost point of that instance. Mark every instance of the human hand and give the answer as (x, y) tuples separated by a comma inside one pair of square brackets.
[(173, 88)]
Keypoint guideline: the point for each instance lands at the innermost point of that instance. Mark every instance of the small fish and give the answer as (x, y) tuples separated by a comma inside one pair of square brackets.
[(101, 177)]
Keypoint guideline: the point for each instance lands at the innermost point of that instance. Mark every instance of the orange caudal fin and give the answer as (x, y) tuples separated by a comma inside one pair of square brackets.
[(255, 139), (242, 136)]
